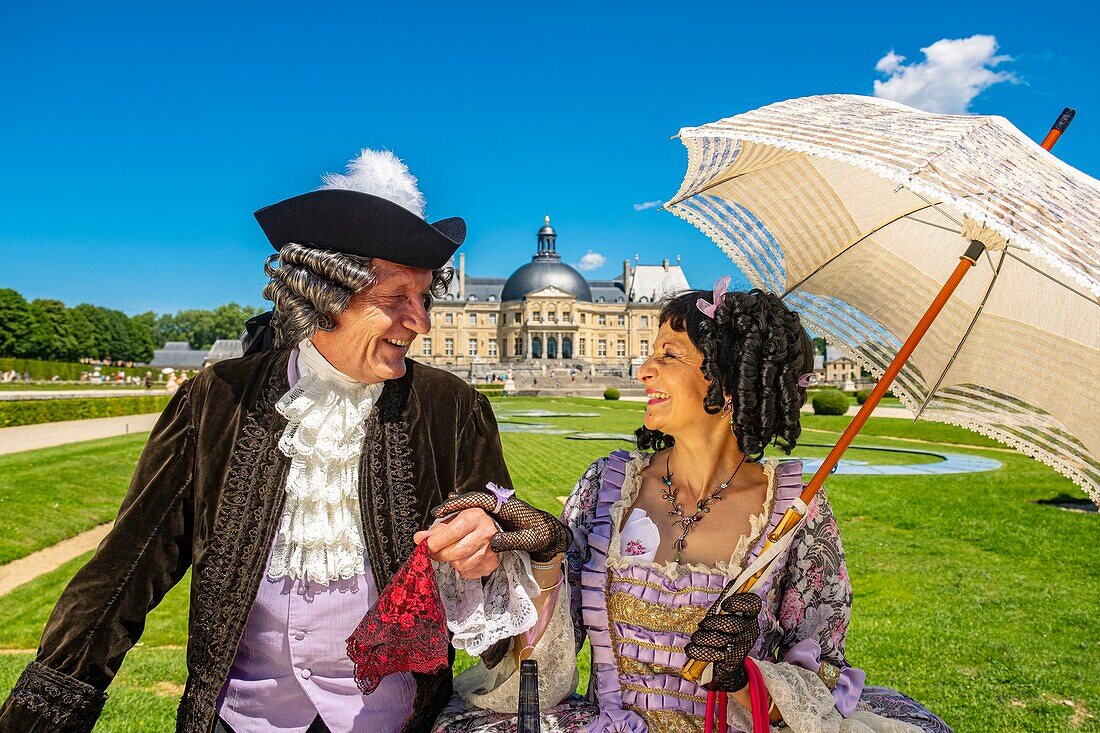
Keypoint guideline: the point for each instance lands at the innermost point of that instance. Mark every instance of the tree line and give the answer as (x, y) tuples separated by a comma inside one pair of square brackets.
[(48, 329)]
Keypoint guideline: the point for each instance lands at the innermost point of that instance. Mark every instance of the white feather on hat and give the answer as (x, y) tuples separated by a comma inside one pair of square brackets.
[(379, 173)]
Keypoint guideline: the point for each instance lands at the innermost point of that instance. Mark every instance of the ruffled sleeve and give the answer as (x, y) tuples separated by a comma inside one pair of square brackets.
[(578, 515), (815, 591), (497, 689)]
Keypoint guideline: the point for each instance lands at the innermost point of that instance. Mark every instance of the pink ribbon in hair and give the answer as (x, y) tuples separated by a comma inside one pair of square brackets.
[(721, 285)]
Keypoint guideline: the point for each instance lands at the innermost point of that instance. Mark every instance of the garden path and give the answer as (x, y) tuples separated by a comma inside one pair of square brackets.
[(44, 435), (26, 569)]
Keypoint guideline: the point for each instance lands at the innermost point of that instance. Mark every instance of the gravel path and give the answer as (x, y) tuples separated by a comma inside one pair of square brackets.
[(26, 569), (44, 435)]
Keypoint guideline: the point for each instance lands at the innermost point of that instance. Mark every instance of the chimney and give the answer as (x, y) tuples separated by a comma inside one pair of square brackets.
[(462, 276), (626, 279), (664, 264)]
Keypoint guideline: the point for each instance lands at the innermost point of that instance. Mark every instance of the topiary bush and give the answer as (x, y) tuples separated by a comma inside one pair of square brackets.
[(831, 402), (611, 394), (862, 395)]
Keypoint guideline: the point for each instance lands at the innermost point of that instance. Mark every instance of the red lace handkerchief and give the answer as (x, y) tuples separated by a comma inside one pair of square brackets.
[(405, 631)]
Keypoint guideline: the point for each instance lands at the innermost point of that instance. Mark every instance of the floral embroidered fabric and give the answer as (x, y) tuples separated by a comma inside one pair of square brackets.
[(405, 631)]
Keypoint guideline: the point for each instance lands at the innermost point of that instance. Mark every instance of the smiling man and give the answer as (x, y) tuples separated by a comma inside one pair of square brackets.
[(291, 482)]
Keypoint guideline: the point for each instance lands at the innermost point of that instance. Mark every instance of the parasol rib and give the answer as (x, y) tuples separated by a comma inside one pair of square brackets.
[(853, 243), (965, 336), (1095, 300), (937, 226)]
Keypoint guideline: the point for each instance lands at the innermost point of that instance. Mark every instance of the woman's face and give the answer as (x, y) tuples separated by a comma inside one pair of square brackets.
[(674, 383)]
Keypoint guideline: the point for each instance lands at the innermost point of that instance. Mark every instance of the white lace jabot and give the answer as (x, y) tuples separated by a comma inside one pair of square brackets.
[(320, 535)]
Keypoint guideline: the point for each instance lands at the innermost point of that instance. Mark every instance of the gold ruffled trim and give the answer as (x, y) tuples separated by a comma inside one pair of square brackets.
[(660, 691), (665, 588), (669, 721), (644, 669), (654, 616), (672, 570)]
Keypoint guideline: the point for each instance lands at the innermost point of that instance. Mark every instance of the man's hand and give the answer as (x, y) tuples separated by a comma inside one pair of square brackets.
[(463, 542)]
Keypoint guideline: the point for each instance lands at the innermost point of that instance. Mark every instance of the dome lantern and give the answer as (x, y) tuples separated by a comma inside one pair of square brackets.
[(546, 270), (547, 242)]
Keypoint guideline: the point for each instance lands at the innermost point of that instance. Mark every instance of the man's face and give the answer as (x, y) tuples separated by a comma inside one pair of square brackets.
[(374, 332)]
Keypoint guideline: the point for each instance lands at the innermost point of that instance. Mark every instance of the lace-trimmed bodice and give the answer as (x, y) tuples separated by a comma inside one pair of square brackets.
[(650, 610)]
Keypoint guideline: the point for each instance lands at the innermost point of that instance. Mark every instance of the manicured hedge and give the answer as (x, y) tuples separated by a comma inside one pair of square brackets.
[(490, 387), (831, 402), (32, 412), (611, 394), (68, 371)]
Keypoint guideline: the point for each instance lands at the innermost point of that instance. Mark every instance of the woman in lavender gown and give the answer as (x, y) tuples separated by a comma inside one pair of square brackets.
[(659, 533)]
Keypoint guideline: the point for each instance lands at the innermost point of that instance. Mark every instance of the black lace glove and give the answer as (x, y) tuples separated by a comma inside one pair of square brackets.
[(724, 637), (526, 528)]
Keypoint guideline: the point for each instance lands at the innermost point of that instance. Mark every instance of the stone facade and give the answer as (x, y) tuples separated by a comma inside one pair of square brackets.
[(547, 315)]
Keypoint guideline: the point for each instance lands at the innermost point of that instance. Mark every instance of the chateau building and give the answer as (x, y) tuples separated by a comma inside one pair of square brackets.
[(546, 314)]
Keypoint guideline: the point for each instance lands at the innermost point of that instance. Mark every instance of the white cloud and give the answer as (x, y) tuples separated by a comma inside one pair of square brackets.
[(591, 261), (648, 205), (953, 72)]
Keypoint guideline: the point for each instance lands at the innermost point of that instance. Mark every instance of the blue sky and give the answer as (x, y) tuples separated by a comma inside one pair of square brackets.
[(139, 137)]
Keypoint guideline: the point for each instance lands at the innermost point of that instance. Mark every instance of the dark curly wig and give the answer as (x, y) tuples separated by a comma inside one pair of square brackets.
[(754, 350)]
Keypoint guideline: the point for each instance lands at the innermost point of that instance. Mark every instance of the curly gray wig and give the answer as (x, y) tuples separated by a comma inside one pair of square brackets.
[(309, 286)]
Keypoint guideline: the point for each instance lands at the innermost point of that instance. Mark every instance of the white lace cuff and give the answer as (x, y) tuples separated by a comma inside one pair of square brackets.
[(497, 689), (481, 614)]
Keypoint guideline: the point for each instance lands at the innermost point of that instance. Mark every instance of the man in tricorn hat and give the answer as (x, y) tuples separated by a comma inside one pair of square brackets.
[(291, 482)]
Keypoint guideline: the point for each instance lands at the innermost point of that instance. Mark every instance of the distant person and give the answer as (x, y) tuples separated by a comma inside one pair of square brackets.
[(148, 380), (172, 385)]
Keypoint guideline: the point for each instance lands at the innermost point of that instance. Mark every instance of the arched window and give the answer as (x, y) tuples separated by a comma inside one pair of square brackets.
[(566, 347), (551, 348), (536, 348)]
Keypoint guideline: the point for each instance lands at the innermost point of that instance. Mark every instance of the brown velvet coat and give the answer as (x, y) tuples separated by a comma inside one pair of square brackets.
[(207, 494)]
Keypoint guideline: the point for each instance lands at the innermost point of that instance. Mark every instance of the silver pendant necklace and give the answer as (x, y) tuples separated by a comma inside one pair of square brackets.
[(687, 522)]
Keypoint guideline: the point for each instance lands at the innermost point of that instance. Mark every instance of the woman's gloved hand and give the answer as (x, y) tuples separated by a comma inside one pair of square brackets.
[(526, 528), (725, 637)]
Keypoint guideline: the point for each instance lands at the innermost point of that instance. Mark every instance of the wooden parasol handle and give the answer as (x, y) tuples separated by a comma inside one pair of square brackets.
[(1059, 127), (693, 670)]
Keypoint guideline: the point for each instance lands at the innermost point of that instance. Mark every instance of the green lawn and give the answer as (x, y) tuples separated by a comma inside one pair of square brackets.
[(52, 494), (968, 595)]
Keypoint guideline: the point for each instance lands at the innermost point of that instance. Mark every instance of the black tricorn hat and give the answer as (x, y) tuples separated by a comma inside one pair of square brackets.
[(364, 225)]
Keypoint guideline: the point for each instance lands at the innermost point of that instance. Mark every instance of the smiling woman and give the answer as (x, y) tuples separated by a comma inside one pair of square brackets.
[(662, 540)]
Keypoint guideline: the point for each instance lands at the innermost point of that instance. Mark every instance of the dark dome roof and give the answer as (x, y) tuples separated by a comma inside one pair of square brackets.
[(540, 273)]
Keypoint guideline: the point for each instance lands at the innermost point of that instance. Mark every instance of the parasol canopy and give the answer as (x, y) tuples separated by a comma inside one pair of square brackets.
[(858, 209)]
